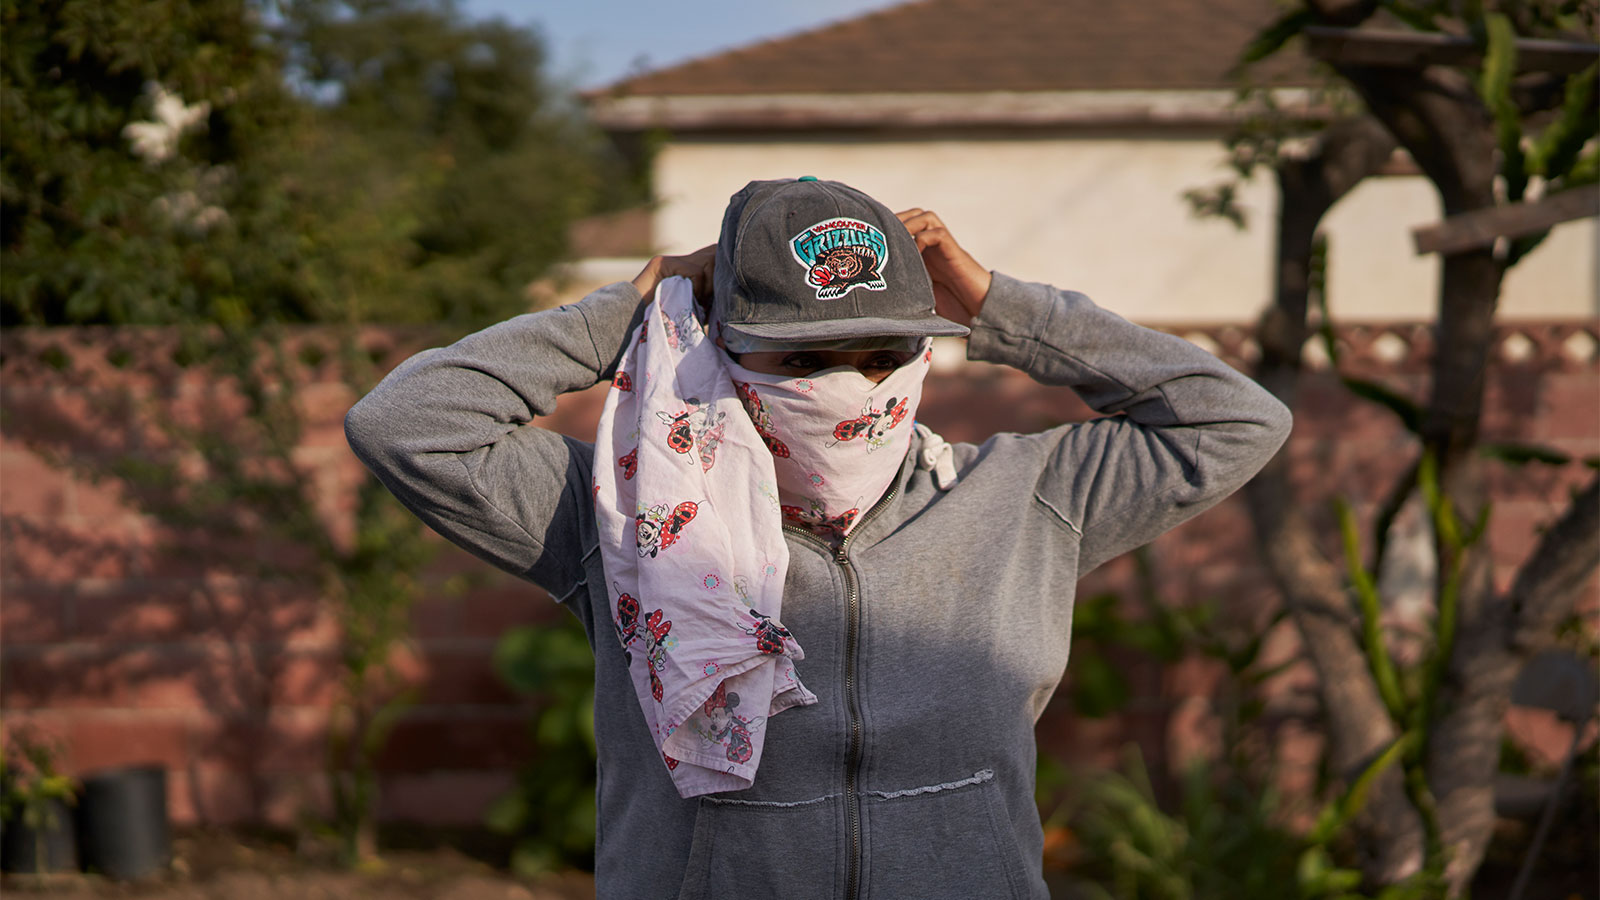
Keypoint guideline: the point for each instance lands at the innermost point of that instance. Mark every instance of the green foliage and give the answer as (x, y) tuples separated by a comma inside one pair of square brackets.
[(1275, 35), (1494, 84), (1519, 454), (420, 170), (92, 232), (1224, 841), (551, 811), (1422, 16), (439, 171), (31, 789), (1366, 591), (234, 166), (1413, 712)]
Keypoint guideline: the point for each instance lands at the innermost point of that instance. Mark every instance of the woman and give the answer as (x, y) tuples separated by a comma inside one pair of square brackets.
[(930, 585)]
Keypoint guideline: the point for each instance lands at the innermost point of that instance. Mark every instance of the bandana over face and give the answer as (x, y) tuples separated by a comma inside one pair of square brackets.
[(698, 463), (837, 439)]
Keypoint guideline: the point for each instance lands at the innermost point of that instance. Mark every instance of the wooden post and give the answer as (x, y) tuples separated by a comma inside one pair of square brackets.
[(1482, 226), (1408, 49)]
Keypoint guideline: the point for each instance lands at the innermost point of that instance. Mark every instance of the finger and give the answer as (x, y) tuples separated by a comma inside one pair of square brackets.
[(923, 220), (911, 213), (931, 236)]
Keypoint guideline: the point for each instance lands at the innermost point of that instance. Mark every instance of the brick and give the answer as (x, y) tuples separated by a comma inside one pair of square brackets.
[(1569, 407), (1194, 732), (209, 795), (213, 796), (1193, 676), (192, 676), (98, 499), (434, 738), (59, 552), (239, 609), (491, 612), (107, 740), (33, 615), (30, 486), (462, 674), (321, 403), (201, 552), (442, 798), (1515, 529), (292, 740), (69, 421), (435, 615), (126, 611)]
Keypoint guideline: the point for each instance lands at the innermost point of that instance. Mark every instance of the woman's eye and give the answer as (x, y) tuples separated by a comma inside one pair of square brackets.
[(885, 361), (807, 361)]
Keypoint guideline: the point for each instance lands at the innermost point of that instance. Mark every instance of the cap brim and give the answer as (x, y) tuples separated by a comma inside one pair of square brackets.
[(865, 326)]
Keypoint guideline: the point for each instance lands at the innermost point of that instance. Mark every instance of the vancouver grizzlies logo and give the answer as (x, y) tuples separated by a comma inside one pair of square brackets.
[(840, 255)]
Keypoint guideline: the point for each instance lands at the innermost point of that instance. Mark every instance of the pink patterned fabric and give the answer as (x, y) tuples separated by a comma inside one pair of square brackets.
[(837, 438), (694, 458)]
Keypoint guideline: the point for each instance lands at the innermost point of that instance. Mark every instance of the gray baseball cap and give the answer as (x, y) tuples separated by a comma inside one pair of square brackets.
[(806, 260)]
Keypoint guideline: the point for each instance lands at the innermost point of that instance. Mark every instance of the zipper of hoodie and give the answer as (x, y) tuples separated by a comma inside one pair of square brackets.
[(852, 637)]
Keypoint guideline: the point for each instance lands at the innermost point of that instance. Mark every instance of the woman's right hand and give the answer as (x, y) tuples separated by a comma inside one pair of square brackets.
[(697, 267)]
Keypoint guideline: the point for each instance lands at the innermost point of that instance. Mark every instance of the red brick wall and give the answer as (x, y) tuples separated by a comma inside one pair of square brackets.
[(134, 641)]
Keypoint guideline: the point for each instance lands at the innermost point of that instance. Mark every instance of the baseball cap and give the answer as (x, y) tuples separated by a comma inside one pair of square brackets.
[(808, 260)]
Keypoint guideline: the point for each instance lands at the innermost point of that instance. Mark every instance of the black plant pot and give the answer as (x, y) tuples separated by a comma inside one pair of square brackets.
[(122, 823), (20, 845)]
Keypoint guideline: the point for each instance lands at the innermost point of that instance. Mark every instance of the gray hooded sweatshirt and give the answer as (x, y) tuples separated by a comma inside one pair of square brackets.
[(934, 635)]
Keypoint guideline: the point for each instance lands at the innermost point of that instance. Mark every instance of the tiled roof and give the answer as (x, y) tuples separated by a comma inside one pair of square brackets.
[(959, 46)]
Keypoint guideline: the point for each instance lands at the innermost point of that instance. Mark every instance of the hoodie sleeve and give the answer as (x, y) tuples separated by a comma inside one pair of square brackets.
[(1182, 429), (447, 432)]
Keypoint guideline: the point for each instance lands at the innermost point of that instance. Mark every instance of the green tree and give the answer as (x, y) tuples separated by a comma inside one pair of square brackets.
[(1483, 132), (128, 134), (207, 165), (440, 171)]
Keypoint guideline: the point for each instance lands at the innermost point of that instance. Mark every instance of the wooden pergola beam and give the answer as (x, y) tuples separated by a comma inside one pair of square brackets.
[(1414, 49), (1483, 226)]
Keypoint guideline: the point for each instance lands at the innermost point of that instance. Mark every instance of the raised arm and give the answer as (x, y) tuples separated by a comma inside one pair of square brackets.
[(1191, 429), (447, 432)]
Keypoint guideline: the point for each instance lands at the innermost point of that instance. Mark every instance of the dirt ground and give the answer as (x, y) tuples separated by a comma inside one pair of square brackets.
[(235, 865), (226, 865)]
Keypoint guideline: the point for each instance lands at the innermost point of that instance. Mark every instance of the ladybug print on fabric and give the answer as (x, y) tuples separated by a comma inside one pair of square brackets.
[(817, 518), (627, 619), (655, 529), (695, 428), (680, 437), (873, 424), (761, 418), (657, 628), (768, 633)]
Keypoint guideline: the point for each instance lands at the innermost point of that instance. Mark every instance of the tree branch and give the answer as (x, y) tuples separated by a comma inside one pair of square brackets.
[(1359, 727), (1437, 116), (1548, 585)]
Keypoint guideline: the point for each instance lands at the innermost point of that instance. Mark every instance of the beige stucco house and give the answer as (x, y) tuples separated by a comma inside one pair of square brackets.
[(1057, 139)]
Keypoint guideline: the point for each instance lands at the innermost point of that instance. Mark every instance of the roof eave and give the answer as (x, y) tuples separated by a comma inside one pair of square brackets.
[(994, 109)]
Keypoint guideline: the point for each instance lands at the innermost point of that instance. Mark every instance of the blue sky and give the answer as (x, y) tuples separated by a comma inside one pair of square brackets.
[(594, 42)]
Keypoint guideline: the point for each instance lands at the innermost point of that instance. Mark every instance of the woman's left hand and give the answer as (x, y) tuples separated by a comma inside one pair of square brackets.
[(699, 267), (959, 282)]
